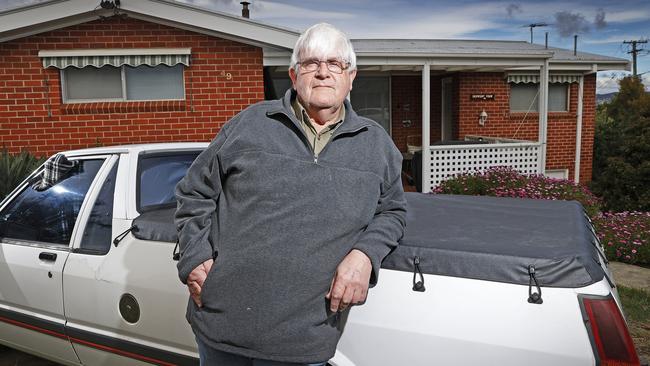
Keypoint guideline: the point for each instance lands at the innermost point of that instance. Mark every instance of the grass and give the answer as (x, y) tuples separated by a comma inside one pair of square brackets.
[(636, 304)]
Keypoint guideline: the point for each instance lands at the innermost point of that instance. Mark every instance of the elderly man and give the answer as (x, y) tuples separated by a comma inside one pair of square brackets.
[(285, 218)]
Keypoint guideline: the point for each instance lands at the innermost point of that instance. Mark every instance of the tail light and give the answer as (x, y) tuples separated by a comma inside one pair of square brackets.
[(608, 331)]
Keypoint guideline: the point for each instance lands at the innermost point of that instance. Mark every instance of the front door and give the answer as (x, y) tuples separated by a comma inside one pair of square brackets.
[(36, 229), (124, 302), (446, 109)]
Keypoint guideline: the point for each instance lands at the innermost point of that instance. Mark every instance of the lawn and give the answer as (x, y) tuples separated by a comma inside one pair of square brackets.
[(636, 304)]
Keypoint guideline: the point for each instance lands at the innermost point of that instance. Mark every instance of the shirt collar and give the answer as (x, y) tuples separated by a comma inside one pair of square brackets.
[(302, 115)]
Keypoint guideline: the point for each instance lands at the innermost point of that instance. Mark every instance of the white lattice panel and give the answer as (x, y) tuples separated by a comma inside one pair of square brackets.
[(449, 161)]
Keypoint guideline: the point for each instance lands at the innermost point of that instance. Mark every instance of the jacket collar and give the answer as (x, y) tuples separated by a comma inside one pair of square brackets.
[(352, 122)]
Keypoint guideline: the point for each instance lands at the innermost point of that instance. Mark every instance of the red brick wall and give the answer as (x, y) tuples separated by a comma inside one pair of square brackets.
[(33, 117), (500, 123), (406, 102)]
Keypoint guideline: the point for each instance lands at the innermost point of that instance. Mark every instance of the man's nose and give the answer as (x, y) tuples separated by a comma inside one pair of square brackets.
[(322, 70)]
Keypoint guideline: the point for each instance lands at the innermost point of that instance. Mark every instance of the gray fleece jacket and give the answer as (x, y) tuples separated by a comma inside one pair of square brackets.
[(278, 220)]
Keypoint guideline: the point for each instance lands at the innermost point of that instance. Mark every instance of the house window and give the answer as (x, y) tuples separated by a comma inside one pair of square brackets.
[(119, 74), (109, 83), (524, 97)]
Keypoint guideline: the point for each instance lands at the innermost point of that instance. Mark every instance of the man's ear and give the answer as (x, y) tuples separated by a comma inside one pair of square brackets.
[(353, 74), (293, 76)]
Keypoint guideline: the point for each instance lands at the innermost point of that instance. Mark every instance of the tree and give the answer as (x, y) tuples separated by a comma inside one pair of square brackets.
[(621, 166)]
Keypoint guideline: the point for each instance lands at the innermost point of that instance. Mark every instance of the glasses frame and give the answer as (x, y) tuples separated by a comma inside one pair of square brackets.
[(339, 66)]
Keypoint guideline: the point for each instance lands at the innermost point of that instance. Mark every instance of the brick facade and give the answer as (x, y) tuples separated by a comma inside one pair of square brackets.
[(406, 91), (33, 117), (225, 77)]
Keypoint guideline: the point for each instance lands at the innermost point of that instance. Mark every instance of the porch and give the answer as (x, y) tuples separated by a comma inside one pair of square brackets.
[(473, 154), (473, 108)]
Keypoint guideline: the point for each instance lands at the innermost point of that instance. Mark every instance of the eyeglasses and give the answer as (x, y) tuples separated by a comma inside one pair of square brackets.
[(334, 66)]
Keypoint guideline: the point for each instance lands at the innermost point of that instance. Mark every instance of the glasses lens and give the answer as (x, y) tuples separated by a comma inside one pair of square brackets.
[(332, 65)]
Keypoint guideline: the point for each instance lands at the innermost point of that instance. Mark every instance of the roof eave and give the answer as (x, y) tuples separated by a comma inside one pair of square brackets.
[(43, 17)]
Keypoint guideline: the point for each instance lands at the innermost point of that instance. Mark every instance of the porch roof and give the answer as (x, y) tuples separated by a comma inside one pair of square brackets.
[(441, 47), (457, 55)]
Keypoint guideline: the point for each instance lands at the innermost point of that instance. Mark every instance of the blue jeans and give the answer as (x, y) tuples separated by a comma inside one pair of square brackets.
[(212, 357)]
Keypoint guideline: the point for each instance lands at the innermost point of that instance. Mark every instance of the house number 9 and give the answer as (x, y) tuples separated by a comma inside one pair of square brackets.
[(227, 75)]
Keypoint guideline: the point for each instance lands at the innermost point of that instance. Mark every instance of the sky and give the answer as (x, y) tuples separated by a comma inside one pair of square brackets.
[(601, 25)]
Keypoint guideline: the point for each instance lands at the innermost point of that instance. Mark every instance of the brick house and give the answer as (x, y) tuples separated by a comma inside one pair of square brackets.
[(74, 75)]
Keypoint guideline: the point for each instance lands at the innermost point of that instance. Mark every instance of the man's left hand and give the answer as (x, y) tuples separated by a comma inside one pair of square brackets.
[(350, 283)]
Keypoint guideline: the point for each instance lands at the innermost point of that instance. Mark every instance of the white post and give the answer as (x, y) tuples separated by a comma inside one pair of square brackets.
[(576, 168), (426, 127), (543, 114)]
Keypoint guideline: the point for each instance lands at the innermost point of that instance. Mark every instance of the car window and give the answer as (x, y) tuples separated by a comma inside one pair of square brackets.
[(49, 215), (96, 238), (158, 175)]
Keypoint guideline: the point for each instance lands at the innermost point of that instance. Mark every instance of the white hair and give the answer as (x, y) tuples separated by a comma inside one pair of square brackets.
[(322, 40)]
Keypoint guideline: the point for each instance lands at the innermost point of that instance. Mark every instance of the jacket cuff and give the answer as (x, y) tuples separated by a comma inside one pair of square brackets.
[(376, 252), (187, 263)]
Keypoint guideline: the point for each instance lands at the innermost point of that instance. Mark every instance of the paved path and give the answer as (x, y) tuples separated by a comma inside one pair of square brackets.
[(630, 276)]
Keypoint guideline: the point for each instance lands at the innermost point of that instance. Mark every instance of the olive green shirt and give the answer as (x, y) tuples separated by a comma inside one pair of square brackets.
[(317, 140)]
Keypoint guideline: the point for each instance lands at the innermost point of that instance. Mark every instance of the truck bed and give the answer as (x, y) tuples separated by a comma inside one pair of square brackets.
[(478, 237)]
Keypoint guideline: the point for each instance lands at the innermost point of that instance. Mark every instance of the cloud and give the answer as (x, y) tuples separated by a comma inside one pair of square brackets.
[(611, 39), (272, 10), (262, 9), (512, 9), (628, 16), (568, 23), (600, 22), (442, 22)]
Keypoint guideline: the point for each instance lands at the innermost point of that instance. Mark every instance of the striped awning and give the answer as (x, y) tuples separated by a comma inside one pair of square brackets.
[(115, 57), (534, 78)]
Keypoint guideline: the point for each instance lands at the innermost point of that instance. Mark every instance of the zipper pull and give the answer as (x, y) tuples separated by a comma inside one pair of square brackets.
[(533, 297), (315, 159)]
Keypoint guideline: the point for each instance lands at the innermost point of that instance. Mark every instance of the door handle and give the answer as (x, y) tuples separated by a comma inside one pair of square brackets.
[(47, 256)]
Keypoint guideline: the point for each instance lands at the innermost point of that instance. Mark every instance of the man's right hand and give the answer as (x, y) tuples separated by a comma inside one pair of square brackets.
[(196, 278)]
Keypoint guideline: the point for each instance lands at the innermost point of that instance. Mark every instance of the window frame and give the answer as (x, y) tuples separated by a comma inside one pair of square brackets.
[(123, 98), (568, 98), (156, 154), (82, 209), (92, 195)]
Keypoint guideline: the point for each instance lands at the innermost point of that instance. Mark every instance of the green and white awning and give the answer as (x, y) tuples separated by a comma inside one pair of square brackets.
[(115, 57), (534, 78)]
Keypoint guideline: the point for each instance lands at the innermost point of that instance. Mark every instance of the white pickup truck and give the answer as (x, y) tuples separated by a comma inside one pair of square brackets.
[(87, 276)]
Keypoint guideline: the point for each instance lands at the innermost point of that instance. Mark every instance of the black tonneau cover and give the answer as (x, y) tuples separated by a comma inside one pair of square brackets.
[(486, 238)]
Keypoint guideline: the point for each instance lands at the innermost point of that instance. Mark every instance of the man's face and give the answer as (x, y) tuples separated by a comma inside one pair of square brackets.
[(321, 88)]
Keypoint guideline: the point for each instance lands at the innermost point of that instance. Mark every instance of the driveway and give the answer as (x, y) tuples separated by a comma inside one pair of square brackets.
[(11, 357)]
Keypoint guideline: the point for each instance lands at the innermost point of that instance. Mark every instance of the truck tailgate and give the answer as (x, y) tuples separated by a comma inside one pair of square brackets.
[(460, 321)]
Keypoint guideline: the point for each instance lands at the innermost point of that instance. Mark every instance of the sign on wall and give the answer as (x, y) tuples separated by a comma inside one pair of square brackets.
[(482, 97)]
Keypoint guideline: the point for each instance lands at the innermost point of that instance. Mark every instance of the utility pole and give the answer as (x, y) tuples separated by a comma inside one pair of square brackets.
[(634, 52)]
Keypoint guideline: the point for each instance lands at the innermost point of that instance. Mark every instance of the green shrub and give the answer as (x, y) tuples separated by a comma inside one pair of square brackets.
[(621, 167), (625, 235), (507, 182), (15, 168)]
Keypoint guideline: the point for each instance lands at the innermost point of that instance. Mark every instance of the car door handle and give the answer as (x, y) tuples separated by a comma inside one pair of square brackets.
[(46, 256)]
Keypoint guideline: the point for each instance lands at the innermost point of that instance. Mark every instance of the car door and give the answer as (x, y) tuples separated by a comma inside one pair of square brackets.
[(124, 302), (36, 229)]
